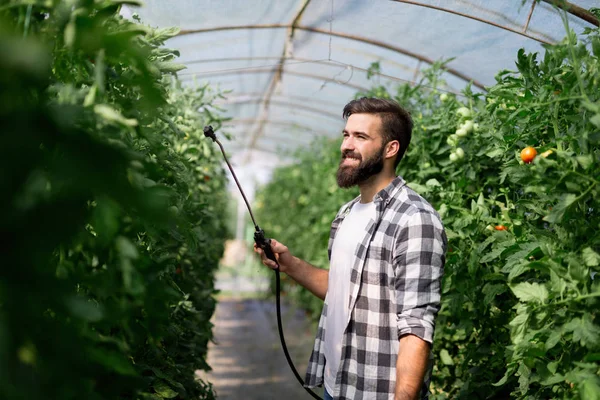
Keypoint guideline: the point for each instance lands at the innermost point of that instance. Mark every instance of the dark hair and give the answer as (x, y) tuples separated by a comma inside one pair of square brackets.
[(396, 121)]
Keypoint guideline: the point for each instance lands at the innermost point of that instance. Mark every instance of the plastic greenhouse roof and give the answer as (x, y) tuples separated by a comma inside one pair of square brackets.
[(291, 65)]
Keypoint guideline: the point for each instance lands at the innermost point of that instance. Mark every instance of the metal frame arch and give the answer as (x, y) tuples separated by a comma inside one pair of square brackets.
[(340, 35), (485, 21)]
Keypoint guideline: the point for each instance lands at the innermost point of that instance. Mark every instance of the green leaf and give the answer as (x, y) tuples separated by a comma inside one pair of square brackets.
[(519, 325), (445, 357), (530, 292), (111, 360), (553, 339), (590, 389), (85, 309), (586, 332), (517, 270), (552, 367), (596, 120), (109, 114), (559, 209), (491, 291), (524, 378), (105, 219), (135, 3), (162, 34), (69, 33), (492, 255), (432, 183), (553, 380), (90, 98), (417, 187), (168, 67), (495, 153), (126, 248), (585, 160), (164, 390), (590, 257), (509, 372)]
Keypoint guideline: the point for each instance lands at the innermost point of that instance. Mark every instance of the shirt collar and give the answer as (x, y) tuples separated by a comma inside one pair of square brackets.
[(390, 190), (384, 195)]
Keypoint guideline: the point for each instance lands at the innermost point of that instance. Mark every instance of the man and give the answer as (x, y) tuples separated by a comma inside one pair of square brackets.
[(387, 253)]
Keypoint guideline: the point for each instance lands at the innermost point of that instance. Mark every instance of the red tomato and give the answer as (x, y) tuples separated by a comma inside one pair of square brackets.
[(528, 154), (500, 228)]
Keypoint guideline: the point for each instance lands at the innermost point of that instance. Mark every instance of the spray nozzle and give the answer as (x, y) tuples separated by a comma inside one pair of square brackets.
[(210, 133)]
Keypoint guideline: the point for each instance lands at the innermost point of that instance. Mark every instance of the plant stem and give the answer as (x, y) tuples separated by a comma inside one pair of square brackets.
[(574, 58), (547, 103), (582, 195), (556, 129), (578, 298), (27, 21)]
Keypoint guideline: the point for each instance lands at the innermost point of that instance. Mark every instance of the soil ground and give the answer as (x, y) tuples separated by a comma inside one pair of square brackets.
[(246, 356)]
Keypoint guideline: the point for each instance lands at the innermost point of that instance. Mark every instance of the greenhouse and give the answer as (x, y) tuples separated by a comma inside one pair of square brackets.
[(147, 143)]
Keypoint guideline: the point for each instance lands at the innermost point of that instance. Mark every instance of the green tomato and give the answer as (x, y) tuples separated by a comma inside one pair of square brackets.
[(452, 140), (443, 97), (464, 112), (461, 132), (468, 126), (453, 157), (459, 152)]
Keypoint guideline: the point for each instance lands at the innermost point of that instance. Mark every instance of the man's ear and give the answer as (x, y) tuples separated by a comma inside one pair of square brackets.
[(392, 148)]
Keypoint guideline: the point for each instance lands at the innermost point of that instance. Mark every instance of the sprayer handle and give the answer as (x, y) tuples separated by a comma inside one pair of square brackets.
[(265, 244)]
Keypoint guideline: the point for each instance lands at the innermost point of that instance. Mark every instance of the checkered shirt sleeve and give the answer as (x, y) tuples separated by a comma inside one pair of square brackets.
[(419, 264)]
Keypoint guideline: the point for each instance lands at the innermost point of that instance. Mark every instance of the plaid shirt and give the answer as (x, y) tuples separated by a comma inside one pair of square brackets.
[(395, 290)]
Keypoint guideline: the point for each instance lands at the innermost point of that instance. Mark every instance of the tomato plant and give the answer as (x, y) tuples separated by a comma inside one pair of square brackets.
[(110, 230)]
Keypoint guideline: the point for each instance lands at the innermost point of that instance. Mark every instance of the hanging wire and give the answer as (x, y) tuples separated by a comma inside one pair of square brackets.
[(330, 29), (249, 68), (333, 79)]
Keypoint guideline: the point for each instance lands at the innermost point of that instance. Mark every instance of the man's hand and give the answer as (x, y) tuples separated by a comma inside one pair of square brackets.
[(282, 254), (313, 278)]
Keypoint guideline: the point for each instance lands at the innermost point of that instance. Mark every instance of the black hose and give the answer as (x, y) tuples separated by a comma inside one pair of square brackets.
[(281, 337), (265, 245)]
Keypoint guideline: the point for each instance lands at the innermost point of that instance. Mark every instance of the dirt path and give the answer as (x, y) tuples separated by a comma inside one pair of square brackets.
[(247, 359)]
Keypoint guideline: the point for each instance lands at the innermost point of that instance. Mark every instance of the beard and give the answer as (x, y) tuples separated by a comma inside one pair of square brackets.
[(348, 176)]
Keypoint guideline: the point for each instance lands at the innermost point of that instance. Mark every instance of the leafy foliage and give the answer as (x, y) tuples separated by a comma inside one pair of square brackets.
[(113, 207), (520, 292)]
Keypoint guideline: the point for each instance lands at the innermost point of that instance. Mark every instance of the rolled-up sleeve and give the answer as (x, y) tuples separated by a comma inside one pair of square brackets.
[(419, 256)]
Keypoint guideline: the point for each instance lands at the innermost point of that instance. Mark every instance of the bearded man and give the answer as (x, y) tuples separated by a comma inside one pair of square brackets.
[(386, 252)]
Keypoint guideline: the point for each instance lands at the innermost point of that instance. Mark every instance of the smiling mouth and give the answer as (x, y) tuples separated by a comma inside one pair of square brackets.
[(350, 161)]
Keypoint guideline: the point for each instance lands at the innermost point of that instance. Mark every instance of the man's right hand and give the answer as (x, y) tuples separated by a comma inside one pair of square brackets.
[(282, 254), (313, 278)]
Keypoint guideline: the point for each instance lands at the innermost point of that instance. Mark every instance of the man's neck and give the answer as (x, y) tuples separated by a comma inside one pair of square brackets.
[(372, 186)]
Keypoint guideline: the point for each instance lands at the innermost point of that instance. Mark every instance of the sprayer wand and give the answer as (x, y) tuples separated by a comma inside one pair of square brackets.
[(265, 244), (259, 235)]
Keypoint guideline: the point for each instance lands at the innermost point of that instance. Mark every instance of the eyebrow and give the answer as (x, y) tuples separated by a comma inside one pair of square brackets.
[(357, 133)]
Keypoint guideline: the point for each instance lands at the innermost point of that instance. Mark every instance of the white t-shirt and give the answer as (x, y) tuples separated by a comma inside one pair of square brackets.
[(349, 235)]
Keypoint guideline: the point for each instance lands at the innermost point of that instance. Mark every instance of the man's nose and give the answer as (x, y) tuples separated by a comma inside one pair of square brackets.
[(347, 145)]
